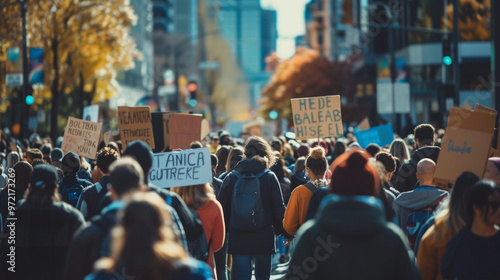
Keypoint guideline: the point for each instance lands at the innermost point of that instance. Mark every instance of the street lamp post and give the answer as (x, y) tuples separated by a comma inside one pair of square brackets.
[(24, 105)]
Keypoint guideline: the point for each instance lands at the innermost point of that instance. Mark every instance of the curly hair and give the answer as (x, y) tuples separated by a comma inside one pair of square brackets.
[(105, 157), (256, 146)]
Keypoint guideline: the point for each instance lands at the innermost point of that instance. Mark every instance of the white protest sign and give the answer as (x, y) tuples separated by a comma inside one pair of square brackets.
[(81, 137), (181, 168), (91, 113), (317, 117)]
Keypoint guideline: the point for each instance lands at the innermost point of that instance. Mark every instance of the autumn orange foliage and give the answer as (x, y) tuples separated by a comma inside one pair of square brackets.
[(305, 74)]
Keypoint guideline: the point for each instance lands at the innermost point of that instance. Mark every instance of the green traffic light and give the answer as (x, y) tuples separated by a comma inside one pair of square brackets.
[(273, 115), (447, 60), (29, 99), (193, 102)]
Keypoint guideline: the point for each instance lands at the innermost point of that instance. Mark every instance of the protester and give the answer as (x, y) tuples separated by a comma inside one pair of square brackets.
[(71, 186), (350, 237), (373, 149), (93, 241), (12, 159), (473, 253), (338, 149), (414, 208), (46, 149), (399, 150), (95, 197), (450, 218), (214, 143), (255, 241), (44, 228), (202, 199), (389, 164), (316, 165), (222, 154), (32, 154), (492, 171), (235, 155), (85, 170), (424, 140), (56, 156), (216, 182), (280, 170), (139, 150), (145, 247), (299, 176)]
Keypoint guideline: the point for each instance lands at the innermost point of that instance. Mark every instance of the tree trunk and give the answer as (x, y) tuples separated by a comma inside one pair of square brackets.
[(54, 132)]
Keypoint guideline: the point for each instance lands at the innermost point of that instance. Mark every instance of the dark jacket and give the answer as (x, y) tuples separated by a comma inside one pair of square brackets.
[(70, 181), (258, 242), (407, 178), (351, 239), (189, 269), (42, 239), (93, 199), (298, 178), (192, 225)]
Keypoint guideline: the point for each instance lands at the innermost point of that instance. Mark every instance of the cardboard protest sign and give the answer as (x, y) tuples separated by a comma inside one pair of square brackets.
[(181, 168), (317, 117), (135, 124), (91, 113), (106, 137), (205, 129), (364, 124), (465, 145), (494, 153), (81, 137), (181, 129), (381, 135)]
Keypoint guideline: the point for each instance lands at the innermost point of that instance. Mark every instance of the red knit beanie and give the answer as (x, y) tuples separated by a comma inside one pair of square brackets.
[(353, 174)]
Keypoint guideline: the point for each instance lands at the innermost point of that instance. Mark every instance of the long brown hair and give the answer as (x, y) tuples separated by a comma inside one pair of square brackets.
[(195, 196), (144, 243)]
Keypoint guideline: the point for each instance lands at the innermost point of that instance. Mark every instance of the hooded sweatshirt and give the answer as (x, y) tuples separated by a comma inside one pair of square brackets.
[(407, 178), (351, 239), (421, 197)]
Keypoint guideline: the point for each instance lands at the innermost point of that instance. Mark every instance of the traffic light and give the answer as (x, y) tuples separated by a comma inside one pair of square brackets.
[(193, 96), (447, 52), (29, 96)]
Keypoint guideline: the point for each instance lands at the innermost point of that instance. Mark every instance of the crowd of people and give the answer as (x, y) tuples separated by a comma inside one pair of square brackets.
[(327, 207)]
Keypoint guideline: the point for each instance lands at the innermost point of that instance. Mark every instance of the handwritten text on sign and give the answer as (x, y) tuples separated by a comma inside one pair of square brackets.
[(317, 117), (135, 124), (81, 137), (181, 168)]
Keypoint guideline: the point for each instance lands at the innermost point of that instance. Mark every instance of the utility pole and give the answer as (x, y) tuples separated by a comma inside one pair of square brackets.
[(24, 105)]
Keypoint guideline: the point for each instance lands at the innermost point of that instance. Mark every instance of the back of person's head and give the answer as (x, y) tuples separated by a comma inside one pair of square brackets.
[(277, 145), (479, 201), (114, 146), (144, 243), (303, 150), (23, 172), (196, 145), (455, 208), (139, 150), (42, 186), (12, 159), (70, 163), (399, 149), (32, 154), (353, 174), (373, 149), (56, 155), (425, 170), (46, 149), (235, 155), (316, 161), (339, 148), (125, 176), (278, 167), (222, 154), (300, 165), (257, 147), (424, 135), (387, 161), (105, 157), (214, 160), (195, 196), (38, 161)]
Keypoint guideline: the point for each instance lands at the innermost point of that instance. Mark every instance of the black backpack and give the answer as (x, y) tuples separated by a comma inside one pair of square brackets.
[(71, 194), (199, 248), (247, 211)]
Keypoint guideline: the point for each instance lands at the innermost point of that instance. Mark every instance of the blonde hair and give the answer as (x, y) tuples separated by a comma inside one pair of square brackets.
[(399, 149), (195, 196)]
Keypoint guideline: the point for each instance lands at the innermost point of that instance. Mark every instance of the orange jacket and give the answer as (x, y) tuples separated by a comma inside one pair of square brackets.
[(296, 210), (432, 249), (212, 220)]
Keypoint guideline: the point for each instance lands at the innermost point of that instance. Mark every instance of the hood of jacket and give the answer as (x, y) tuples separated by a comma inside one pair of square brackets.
[(251, 165), (351, 216), (420, 197), (431, 152)]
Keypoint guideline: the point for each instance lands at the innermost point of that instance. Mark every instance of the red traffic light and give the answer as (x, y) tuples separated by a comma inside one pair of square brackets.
[(192, 87)]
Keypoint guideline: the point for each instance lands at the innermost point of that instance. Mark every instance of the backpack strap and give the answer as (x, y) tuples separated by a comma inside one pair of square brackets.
[(311, 187)]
